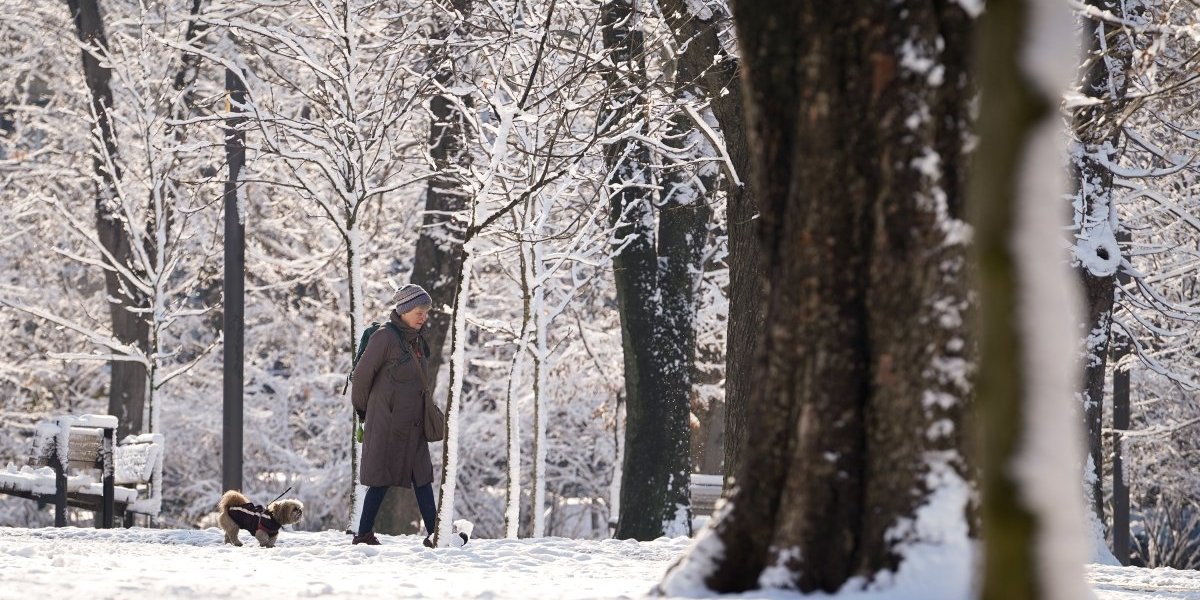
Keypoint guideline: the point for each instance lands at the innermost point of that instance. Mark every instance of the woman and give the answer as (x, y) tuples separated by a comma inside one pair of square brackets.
[(389, 393)]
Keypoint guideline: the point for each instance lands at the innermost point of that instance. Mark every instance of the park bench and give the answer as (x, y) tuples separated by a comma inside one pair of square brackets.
[(75, 462), (705, 490)]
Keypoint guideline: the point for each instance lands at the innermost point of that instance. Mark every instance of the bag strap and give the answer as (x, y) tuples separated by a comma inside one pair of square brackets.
[(421, 371)]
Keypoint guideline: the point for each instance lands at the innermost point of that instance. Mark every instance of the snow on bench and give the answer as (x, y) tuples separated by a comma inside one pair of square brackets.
[(74, 462), (139, 461), (705, 490), (41, 481)]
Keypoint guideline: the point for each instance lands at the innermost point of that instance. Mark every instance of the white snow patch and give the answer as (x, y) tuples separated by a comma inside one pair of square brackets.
[(973, 8), (686, 577), (157, 564), (1097, 249), (929, 163), (780, 575)]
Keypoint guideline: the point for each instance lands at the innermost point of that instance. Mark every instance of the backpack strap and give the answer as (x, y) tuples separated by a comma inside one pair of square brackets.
[(372, 329), (396, 330), (407, 349)]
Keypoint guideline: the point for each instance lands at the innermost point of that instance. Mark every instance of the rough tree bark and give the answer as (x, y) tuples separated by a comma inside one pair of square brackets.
[(128, 382), (654, 272), (858, 169), (439, 247), (703, 62)]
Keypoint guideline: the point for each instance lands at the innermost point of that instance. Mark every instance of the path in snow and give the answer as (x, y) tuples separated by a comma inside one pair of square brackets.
[(1130, 583), (154, 563), (166, 563)]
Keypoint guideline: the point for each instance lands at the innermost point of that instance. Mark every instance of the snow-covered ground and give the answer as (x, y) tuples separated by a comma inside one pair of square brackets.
[(166, 563)]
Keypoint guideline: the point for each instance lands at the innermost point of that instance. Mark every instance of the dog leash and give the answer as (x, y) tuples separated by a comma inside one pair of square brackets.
[(281, 495)]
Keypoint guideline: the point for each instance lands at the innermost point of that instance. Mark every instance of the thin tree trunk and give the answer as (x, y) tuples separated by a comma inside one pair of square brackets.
[(1121, 348), (233, 289), (128, 382), (856, 421), (445, 516), (512, 499), (541, 371), (1097, 256)]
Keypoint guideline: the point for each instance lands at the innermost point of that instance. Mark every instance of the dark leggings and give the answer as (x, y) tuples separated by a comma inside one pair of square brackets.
[(374, 500)]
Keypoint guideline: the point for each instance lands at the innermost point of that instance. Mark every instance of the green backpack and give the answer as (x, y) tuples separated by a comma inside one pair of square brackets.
[(362, 347)]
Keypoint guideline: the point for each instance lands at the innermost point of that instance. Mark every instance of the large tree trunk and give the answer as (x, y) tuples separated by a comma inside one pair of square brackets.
[(696, 27), (1031, 438), (656, 322), (439, 251), (684, 215), (127, 387), (643, 482), (438, 259), (1097, 136), (683, 218), (856, 421)]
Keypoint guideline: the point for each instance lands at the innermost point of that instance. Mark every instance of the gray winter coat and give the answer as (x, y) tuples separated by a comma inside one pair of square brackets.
[(387, 387)]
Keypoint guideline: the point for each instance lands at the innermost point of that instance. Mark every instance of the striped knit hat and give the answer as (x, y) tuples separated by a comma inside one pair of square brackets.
[(410, 296)]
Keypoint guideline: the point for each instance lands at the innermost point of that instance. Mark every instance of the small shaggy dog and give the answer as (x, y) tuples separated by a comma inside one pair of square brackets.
[(236, 512)]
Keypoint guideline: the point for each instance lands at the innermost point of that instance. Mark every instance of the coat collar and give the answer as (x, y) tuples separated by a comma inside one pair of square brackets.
[(410, 335)]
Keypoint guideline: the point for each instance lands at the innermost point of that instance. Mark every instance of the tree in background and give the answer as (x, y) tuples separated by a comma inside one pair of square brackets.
[(140, 186), (660, 213), (857, 119), (438, 255), (707, 66), (1134, 220), (1096, 131), (127, 302)]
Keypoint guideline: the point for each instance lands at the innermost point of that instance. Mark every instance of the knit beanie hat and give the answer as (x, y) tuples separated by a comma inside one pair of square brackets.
[(410, 296)]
